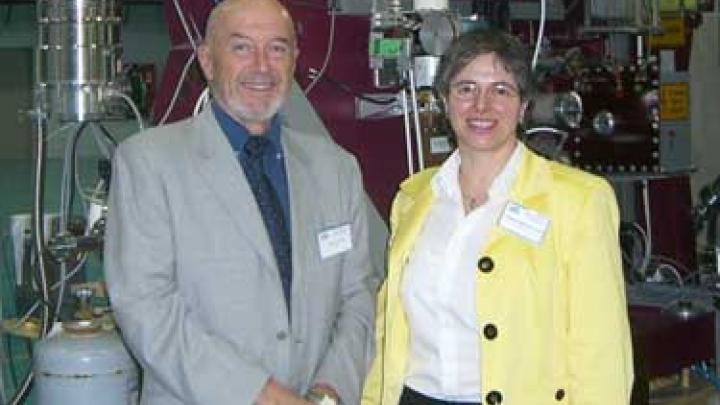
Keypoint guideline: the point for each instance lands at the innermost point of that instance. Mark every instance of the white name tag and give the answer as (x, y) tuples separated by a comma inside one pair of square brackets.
[(334, 241), (523, 222)]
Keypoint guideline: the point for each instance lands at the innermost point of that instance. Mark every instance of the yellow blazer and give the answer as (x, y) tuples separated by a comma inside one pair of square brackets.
[(554, 316)]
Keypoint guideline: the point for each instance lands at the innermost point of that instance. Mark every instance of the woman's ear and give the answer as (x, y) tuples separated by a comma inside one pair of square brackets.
[(522, 113)]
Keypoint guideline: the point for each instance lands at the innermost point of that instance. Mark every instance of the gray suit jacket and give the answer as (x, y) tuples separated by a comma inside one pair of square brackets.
[(194, 283)]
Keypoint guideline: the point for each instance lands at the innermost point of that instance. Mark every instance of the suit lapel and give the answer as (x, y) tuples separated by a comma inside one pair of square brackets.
[(303, 217), (300, 190), (218, 165)]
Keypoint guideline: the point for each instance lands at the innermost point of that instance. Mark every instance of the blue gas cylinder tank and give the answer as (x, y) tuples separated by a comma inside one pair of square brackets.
[(84, 364)]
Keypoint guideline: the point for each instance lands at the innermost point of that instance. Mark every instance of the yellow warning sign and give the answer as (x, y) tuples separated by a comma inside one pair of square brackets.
[(676, 6), (674, 101), (673, 35)]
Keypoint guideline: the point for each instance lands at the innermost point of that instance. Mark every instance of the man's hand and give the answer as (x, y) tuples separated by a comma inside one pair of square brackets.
[(321, 388), (275, 394)]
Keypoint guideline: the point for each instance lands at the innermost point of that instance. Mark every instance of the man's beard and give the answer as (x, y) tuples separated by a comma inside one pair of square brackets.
[(250, 113), (247, 113)]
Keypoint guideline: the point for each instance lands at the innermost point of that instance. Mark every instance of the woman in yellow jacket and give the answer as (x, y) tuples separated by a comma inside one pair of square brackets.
[(504, 277)]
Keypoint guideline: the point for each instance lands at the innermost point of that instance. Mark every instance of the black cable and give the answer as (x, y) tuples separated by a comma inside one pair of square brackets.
[(73, 168), (345, 88), (308, 4), (571, 7), (106, 133)]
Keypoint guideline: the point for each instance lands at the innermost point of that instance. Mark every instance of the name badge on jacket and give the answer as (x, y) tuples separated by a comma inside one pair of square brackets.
[(523, 222), (334, 241)]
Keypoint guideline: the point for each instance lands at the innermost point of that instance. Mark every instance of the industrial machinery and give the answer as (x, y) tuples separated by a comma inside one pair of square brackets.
[(612, 83), (78, 84)]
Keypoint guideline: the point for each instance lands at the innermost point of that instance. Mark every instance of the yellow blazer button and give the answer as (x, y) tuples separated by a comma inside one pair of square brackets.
[(486, 264), (560, 394), (493, 398), (490, 331)]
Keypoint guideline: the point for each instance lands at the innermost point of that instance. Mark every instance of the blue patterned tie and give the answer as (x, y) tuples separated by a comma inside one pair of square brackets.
[(270, 209)]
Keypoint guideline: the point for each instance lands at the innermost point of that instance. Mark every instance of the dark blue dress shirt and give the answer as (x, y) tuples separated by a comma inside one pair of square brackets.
[(274, 162)]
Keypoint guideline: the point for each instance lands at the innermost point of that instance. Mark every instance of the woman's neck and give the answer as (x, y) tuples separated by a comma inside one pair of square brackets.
[(477, 173)]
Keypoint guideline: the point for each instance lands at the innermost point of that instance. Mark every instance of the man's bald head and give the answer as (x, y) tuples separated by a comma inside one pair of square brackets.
[(224, 7)]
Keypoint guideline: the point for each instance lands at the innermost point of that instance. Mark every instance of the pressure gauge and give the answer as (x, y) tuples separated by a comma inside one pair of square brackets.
[(604, 123), (569, 109), (437, 31)]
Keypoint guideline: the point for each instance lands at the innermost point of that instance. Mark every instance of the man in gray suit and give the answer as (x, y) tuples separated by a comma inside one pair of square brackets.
[(217, 306)]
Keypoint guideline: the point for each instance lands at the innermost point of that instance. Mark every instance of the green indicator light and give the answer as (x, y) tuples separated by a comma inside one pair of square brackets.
[(387, 47)]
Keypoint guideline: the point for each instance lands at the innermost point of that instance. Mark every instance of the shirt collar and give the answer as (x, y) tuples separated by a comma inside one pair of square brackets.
[(237, 134), (446, 180)]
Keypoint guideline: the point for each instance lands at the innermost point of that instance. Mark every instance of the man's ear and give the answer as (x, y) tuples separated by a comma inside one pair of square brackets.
[(205, 60)]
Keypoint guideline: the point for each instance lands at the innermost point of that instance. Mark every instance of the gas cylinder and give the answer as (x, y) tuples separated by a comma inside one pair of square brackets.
[(80, 363)]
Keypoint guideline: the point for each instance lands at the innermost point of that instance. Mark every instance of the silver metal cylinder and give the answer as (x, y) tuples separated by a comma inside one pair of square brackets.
[(83, 364), (425, 67), (78, 56), (562, 110)]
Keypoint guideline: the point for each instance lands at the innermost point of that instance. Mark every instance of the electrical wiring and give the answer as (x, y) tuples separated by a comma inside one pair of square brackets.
[(86, 196), (571, 7), (328, 53), (68, 173), (408, 136), (196, 29), (129, 101), (416, 120), (61, 292), (81, 262), (178, 86), (670, 260), (71, 170), (562, 135), (74, 177), (646, 251), (192, 40), (312, 73), (38, 241), (106, 143), (201, 101), (541, 32), (106, 134), (183, 22), (648, 226), (38, 224), (59, 131), (675, 273), (633, 259), (307, 4), (662, 259)]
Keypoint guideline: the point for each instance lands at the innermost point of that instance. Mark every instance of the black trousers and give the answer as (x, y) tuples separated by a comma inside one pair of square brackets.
[(412, 397)]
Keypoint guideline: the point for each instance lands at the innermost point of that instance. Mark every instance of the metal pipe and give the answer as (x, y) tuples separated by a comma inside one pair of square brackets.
[(39, 241), (416, 120), (408, 136)]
